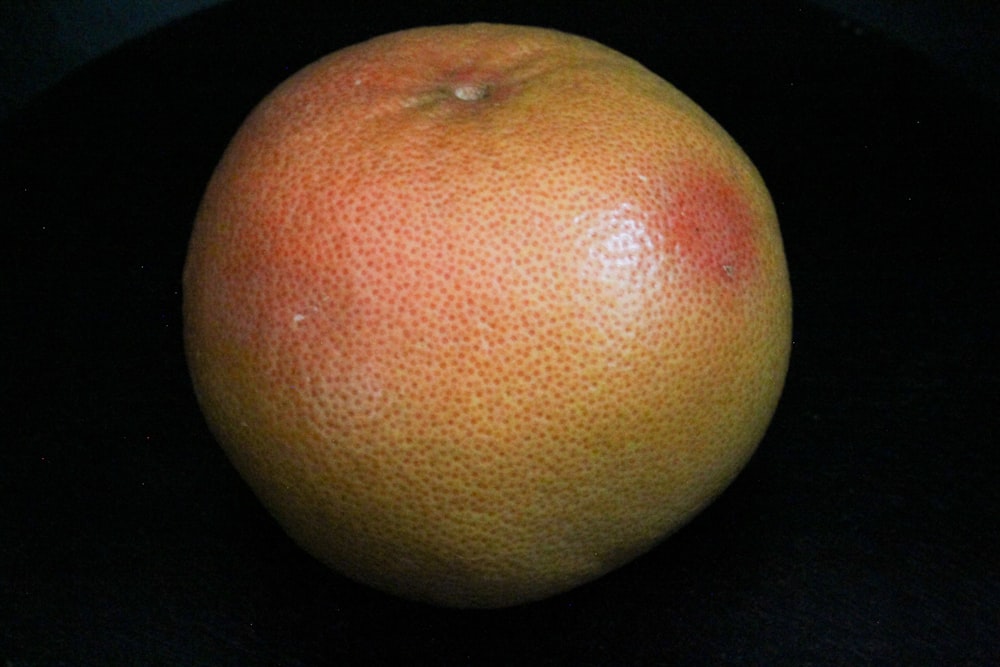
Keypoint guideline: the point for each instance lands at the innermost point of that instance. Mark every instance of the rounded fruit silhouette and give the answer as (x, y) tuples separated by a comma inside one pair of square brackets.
[(483, 312)]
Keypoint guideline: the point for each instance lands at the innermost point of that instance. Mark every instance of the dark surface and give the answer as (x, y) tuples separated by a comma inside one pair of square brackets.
[(863, 532)]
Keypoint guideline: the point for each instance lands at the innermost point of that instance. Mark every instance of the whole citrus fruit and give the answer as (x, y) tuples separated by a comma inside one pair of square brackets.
[(482, 312)]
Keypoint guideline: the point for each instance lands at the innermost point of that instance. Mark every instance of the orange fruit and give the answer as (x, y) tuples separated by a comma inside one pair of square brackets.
[(483, 312)]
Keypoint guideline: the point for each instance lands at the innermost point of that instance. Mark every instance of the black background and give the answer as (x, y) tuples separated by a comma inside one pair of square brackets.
[(864, 531)]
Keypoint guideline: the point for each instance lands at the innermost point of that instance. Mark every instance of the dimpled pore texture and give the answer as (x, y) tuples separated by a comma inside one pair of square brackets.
[(483, 312)]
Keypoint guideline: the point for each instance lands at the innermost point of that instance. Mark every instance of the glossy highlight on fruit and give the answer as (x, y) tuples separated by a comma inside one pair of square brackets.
[(482, 312)]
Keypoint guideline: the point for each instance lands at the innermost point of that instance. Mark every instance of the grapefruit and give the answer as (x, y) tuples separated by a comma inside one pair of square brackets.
[(482, 312)]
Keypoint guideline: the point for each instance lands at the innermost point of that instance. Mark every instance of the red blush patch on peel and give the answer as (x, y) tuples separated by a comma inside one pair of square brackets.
[(711, 225)]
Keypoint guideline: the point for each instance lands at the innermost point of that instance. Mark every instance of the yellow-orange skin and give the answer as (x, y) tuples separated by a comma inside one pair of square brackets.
[(483, 312)]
